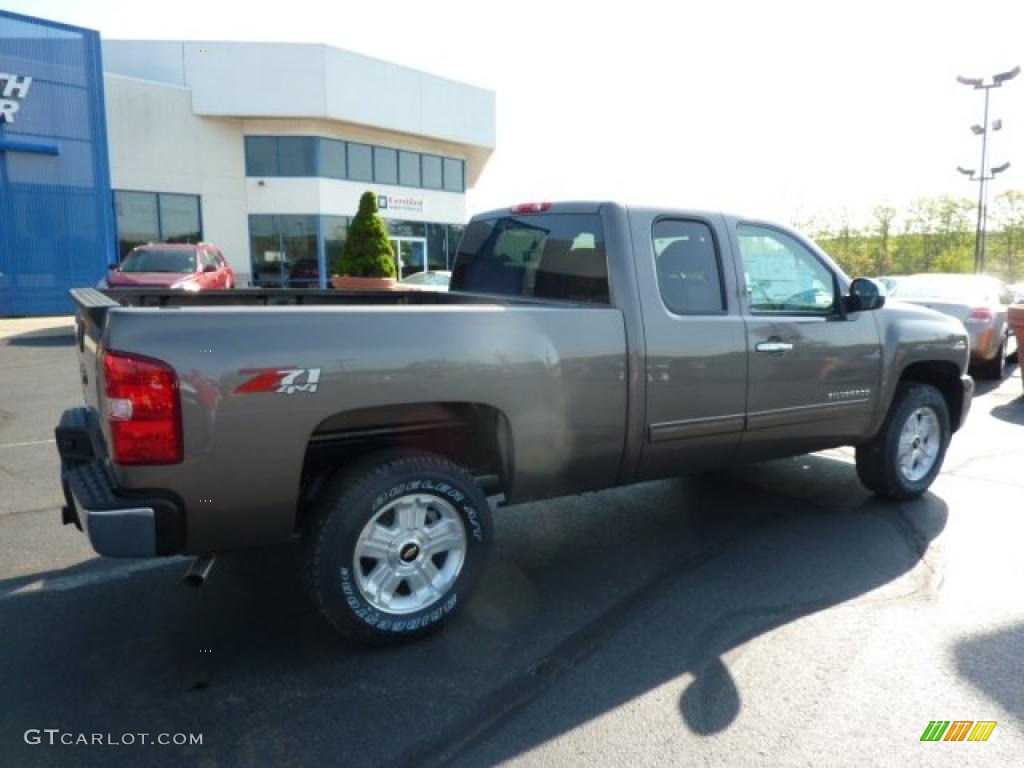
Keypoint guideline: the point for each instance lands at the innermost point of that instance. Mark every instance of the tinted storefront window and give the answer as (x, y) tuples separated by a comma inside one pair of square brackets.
[(332, 159), (285, 250), (360, 162), (179, 219), (296, 156), (149, 217), (335, 235), (409, 169), (138, 219), (385, 165), (260, 156), (432, 172), (452, 175)]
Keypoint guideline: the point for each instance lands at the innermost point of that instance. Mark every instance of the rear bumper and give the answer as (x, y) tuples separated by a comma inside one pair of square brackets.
[(118, 522), (967, 386)]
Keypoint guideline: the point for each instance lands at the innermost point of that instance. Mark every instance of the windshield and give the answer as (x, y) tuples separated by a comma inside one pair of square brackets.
[(950, 287), (183, 262)]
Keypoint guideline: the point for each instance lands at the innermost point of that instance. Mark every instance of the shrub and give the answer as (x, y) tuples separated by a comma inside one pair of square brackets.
[(368, 250)]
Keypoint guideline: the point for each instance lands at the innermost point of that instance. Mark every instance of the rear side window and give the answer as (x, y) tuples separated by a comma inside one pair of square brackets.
[(547, 256), (689, 277)]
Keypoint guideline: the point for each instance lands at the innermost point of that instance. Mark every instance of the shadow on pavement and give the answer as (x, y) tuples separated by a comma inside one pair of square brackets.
[(655, 581), (1012, 412), (46, 337), (991, 662)]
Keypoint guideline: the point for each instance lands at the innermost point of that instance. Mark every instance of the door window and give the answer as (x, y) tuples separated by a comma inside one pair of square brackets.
[(687, 266), (783, 275)]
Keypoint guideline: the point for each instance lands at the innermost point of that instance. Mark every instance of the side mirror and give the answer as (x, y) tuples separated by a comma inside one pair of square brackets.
[(209, 268), (865, 295)]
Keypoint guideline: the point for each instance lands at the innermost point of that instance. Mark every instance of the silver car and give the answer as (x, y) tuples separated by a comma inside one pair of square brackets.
[(980, 302)]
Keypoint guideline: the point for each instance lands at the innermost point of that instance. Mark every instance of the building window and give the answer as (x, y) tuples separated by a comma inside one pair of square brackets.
[(385, 165), (179, 219), (453, 175), (260, 156), (360, 162), (332, 159), (280, 156), (335, 235), (148, 217), (285, 251), (296, 156), (432, 172), (409, 169), (304, 156)]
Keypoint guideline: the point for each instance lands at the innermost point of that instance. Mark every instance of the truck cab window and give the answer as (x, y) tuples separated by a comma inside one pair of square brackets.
[(689, 277), (551, 256), (783, 275)]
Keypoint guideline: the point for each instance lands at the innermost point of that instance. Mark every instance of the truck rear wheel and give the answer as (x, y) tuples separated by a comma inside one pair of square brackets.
[(396, 545), (904, 458)]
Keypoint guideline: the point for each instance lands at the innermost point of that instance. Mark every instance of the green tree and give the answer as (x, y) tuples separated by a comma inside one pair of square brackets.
[(368, 251)]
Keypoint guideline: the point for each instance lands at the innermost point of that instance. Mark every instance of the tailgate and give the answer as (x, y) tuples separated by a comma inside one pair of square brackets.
[(91, 308)]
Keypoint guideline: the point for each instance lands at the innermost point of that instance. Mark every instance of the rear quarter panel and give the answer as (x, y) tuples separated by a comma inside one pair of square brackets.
[(557, 374)]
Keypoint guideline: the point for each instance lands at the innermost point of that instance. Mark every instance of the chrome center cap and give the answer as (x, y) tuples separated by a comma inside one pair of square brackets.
[(409, 552)]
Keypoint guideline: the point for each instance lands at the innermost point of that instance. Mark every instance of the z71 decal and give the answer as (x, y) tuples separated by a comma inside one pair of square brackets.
[(284, 381)]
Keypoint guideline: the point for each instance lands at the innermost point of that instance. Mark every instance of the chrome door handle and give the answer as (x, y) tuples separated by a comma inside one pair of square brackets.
[(773, 346)]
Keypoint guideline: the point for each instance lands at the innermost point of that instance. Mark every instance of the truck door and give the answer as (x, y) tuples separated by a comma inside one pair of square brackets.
[(814, 372), (696, 363)]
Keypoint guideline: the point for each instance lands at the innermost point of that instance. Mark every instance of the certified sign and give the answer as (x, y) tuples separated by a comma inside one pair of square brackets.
[(393, 203), (13, 89)]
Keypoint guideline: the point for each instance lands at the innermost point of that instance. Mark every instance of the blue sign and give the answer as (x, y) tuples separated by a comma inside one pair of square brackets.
[(56, 209)]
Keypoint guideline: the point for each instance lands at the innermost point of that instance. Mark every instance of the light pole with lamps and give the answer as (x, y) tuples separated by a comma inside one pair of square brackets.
[(984, 176)]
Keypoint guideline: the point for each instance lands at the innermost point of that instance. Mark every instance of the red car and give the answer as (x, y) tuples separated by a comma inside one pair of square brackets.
[(182, 266)]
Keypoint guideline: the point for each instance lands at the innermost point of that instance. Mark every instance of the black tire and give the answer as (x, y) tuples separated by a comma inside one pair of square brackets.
[(349, 503), (878, 460), (994, 369)]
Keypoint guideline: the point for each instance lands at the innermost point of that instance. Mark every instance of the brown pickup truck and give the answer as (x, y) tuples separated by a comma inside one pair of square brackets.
[(582, 346)]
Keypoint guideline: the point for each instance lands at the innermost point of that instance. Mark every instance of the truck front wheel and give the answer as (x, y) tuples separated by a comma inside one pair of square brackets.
[(396, 546), (903, 459)]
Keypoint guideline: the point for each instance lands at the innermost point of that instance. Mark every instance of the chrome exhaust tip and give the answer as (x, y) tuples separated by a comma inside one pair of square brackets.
[(199, 571)]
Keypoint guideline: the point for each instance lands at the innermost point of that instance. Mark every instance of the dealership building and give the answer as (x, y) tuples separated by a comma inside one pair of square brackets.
[(260, 148)]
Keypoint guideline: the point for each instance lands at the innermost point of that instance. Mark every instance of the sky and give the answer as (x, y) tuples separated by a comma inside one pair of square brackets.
[(785, 110)]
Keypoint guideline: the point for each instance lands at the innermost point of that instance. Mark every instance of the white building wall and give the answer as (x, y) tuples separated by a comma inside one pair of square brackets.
[(341, 198), (158, 145)]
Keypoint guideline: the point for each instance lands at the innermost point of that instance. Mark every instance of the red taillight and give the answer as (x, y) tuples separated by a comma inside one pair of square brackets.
[(531, 208), (143, 408), (981, 315)]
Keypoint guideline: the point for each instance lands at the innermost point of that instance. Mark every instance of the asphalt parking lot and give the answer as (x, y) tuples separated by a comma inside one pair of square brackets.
[(775, 615)]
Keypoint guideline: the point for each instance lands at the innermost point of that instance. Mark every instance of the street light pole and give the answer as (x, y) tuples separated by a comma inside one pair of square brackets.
[(979, 233), (984, 176)]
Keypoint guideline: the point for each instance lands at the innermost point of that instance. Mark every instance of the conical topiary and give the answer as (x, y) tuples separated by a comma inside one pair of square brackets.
[(368, 250)]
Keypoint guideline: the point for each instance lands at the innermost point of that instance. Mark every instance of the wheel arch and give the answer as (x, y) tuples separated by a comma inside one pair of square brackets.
[(474, 435), (945, 377)]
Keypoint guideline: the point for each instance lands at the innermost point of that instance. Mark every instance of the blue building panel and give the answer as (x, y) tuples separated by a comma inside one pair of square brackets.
[(56, 207)]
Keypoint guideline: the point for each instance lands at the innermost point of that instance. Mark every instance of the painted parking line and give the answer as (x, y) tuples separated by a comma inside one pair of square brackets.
[(28, 443)]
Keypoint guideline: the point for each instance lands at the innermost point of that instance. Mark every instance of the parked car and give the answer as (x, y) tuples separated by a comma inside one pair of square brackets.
[(582, 346), (890, 281), (430, 280), (980, 302), (181, 266)]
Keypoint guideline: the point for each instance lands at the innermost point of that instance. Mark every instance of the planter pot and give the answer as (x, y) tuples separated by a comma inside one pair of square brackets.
[(346, 283)]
